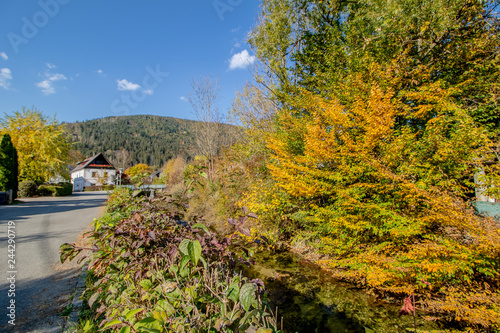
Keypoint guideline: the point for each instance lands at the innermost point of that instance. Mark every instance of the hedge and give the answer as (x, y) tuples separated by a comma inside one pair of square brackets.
[(56, 190), (98, 188), (27, 189)]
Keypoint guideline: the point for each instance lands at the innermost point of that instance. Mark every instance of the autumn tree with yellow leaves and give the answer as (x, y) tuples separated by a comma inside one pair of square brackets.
[(139, 172), (386, 110), (42, 144)]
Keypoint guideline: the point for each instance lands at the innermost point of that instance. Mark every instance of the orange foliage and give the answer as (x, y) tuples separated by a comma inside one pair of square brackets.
[(384, 183)]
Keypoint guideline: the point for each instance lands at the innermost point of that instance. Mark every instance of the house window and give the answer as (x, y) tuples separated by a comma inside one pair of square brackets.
[(94, 174), (105, 174)]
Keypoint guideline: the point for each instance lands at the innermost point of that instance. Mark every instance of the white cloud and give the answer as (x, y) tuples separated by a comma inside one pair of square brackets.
[(126, 85), (241, 60), (5, 77), (100, 72), (4, 56), (148, 92), (183, 98), (47, 87), (55, 77)]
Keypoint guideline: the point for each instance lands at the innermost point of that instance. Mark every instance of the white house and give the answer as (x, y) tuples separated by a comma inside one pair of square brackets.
[(95, 170)]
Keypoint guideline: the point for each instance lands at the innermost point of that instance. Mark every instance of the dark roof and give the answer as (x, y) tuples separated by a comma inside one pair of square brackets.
[(156, 174), (98, 161)]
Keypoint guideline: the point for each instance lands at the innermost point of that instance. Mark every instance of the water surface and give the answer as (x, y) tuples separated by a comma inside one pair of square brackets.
[(311, 301)]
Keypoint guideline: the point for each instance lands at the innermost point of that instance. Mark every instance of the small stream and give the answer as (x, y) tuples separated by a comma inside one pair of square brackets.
[(311, 301)]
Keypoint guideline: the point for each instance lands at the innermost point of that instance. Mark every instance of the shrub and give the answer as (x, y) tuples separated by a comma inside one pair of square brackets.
[(45, 190), (63, 189), (27, 189), (153, 273), (118, 200), (57, 190), (98, 188)]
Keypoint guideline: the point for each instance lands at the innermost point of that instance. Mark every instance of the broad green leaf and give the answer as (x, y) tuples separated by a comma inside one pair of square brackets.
[(149, 330), (148, 324), (130, 313), (146, 284), (125, 329), (191, 291), (184, 262), (174, 294), (174, 269), (233, 292), (161, 316), (183, 247), (201, 226), (165, 305), (205, 265), (112, 323), (194, 249), (220, 323), (88, 326), (93, 298), (185, 272), (247, 295), (235, 316)]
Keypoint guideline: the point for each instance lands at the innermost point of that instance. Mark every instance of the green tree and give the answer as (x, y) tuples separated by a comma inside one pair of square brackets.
[(8, 166), (387, 109), (320, 45), (42, 144)]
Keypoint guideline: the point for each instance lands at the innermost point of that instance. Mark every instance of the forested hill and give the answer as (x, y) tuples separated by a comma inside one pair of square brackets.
[(128, 140)]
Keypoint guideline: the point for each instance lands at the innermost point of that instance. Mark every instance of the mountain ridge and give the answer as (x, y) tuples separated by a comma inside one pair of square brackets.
[(128, 140)]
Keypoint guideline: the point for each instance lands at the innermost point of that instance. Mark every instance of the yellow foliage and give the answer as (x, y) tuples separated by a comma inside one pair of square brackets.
[(173, 171), (41, 143), (140, 169), (382, 182)]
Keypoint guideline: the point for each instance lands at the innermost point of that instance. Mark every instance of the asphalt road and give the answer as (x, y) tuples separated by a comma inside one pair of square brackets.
[(42, 285)]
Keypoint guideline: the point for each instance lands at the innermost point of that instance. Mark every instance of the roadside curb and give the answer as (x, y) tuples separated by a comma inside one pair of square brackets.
[(76, 303)]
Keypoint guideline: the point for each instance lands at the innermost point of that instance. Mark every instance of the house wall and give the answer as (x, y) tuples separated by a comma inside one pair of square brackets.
[(94, 176), (80, 183), (76, 174)]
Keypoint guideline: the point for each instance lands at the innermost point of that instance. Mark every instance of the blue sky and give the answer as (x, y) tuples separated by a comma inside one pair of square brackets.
[(90, 59)]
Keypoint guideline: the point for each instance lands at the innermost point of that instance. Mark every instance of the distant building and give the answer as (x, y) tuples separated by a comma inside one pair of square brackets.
[(154, 175), (486, 205), (93, 171)]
